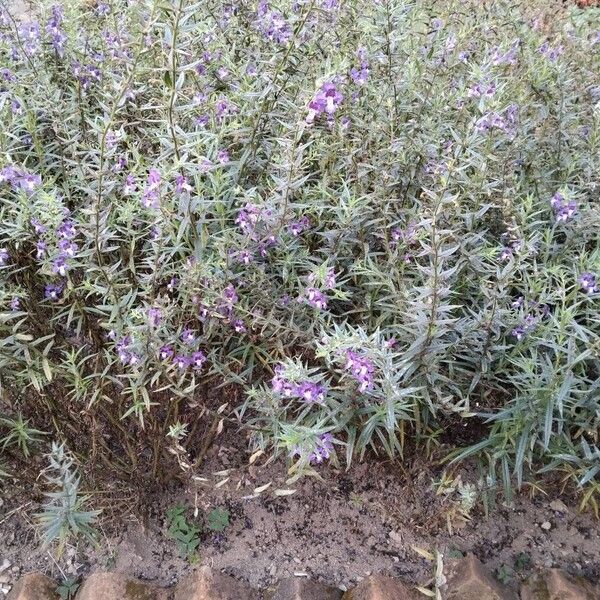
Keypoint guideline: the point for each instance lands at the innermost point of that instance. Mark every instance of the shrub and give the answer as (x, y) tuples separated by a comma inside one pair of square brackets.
[(379, 219)]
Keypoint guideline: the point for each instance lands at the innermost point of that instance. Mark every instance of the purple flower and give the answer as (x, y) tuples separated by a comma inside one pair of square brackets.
[(202, 121), (41, 248), (182, 185), (272, 24), (509, 250), (223, 156), (59, 39), (54, 290), (67, 247), (564, 209), (103, 9), (111, 140), (280, 384), (173, 284), (359, 76), (239, 326), (489, 121), (30, 36), (588, 282), (507, 58), (203, 312), (229, 295), (28, 182), (150, 197), (245, 256), (182, 362), (311, 392), (550, 53), (67, 230), (308, 391), (518, 302), (264, 245), (199, 98), (60, 265), (315, 298), (297, 227), (323, 449), (407, 236), (123, 350), (197, 359), (527, 326), (15, 303), (330, 278), (224, 108), (7, 74), (130, 184), (391, 343), (38, 226), (154, 316), (3, 256), (361, 368), (248, 217), (482, 89), (188, 337), (166, 352), (9, 174), (327, 100)]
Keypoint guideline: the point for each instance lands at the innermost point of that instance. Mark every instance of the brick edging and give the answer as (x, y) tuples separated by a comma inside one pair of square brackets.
[(464, 579)]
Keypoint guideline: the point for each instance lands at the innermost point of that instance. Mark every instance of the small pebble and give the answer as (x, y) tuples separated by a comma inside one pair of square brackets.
[(559, 506), (546, 525)]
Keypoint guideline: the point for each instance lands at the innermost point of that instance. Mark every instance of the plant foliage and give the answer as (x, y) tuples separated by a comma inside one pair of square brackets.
[(380, 219)]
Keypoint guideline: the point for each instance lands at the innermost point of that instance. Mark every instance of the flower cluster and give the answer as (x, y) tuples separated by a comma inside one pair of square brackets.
[(299, 226), (321, 451), (483, 89), (326, 101), (315, 297), (508, 57), (59, 39), (360, 74), (511, 248), (527, 326), (20, 179), (589, 283), (31, 37), (308, 391), (151, 192), (564, 209), (87, 75), (504, 121), (552, 53), (125, 351), (272, 24), (361, 368)]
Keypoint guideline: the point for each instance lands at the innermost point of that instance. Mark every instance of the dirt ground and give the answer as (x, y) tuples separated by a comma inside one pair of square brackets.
[(338, 529)]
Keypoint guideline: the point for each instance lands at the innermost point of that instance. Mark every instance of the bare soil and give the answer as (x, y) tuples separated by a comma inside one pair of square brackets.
[(338, 529)]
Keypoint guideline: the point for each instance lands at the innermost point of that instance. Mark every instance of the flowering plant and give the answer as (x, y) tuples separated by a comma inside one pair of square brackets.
[(377, 219)]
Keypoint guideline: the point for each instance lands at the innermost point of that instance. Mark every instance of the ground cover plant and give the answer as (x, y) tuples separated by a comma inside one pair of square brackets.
[(343, 228)]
